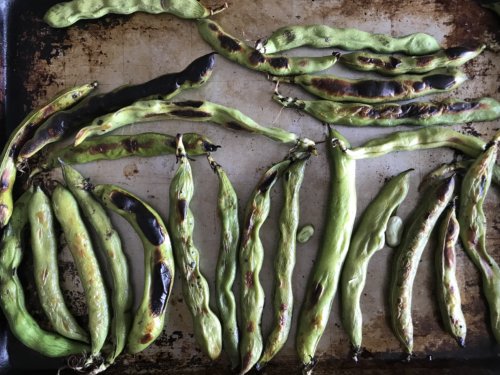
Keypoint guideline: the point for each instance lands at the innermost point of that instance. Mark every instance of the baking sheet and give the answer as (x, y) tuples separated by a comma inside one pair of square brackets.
[(119, 50)]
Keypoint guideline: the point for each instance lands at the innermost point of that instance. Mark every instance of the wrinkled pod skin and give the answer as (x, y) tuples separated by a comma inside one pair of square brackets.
[(165, 87), (67, 13), (394, 65), (371, 90), (368, 238), (242, 54), (207, 328), (159, 270), (408, 254), (22, 133), (12, 300)]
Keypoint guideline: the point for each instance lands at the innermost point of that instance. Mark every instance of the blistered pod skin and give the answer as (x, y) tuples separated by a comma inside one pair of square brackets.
[(12, 300), (67, 13), (446, 112), (80, 245), (472, 219), (22, 133), (207, 328), (45, 268), (159, 271), (394, 65), (165, 87), (448, 290), (407, 258), (322, 36), (325, 276), (368, 238), (108, 242), (242, 54), (403, 87)]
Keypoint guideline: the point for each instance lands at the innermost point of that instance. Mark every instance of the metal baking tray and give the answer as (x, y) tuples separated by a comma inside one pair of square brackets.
[(38, 61)]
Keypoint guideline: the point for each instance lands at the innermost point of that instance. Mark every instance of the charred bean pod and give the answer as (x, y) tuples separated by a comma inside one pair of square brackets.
[(22, 133), (45, 269), (165, 87), (207, 328), (67, 13), (368, 238), (159, 270), (78, 239), (242, 54), (394, 65), (108, 242), (403, 87), (448, 291), (12, 300), (407, 258), (472, 219), (322, 36), (199, 111), (440, 172), (225, 273), (446, 112), (324, 279), (494, 5), (284, 262)]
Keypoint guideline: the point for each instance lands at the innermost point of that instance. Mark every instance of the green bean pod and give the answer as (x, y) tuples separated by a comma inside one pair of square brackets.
[(407, 258), (472, 219), (403, 87), (159, 270), (324, 279), (78, 239), (322, 36), (109, 244), (394, 65), (199, 111), (242, 54), (448, 291), (67, 13), (284, 262), (12, 300), (446, 112), (368, 238), (113, 147), (440, 172), (225, 273), (207, 328), (22, 133), (45, 269)]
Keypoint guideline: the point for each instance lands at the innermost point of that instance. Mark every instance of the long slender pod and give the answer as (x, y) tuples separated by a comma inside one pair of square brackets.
[(78, 239), (207, 328), (22, 133), (12, 300), (324, 278), (368, 238), (284, 262), (408, 254), (165, 87), (446, 112), (448, 291), (159, 270), (109, 244), (472, 219), (113, 147), (199, 111), (394, 65), (225, 273), (371, 90), (322, 36), (242, 54), (67, 13), (45, 269)]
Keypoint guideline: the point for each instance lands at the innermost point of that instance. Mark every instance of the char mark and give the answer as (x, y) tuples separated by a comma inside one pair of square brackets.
[(289, 36), (228, 43), (210, 147), (5, 180), (146, 338), (268, 182), (316, 294), (424, 60), (183, 208), (440, 81), (461, 106), (364, 88), (189, 113), (189, 103), (278, 62), (194, 72), (234, 125), (160, 288), (256, 58), (131, 145), (456, 52)]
